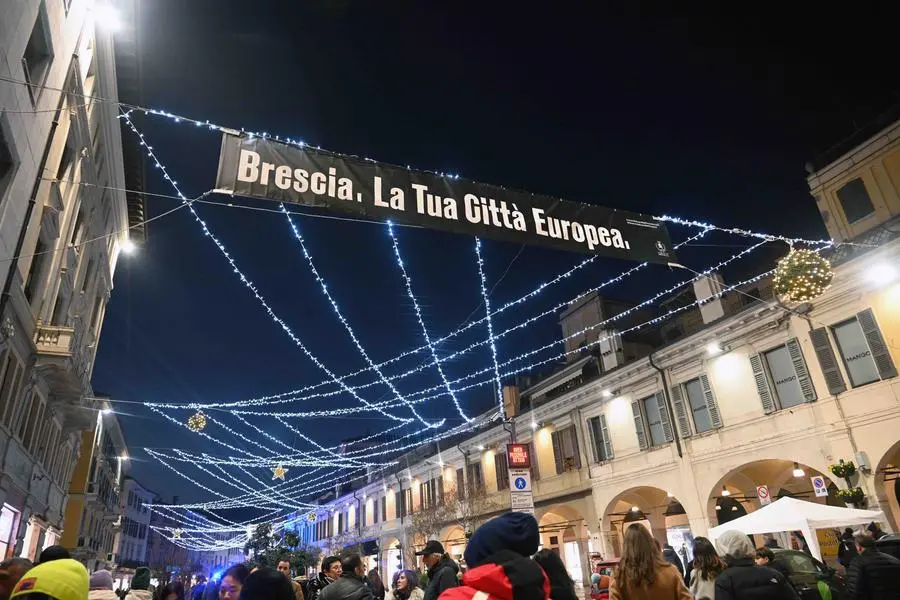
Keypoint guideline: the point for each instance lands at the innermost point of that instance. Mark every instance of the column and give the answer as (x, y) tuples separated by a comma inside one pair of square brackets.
[(585, 565), (22, 529)]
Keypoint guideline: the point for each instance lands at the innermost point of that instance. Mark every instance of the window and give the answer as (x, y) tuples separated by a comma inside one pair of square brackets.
[(565, 450), (695, 407), (407, 501), (651, 421), (35, 421), (7, 527), (473, 475), (460, 491), (654, 411), (855, 200), (600, 437), (399, 508), (7, 162), (855, 353), (782, 378), (37, 57), (384, 509), (375, 512), (35, 273), (9, 389), (501, 468)]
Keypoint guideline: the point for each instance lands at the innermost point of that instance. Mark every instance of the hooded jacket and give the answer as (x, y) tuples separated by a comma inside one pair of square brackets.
[(102, 595), (504, 575), (350, 586), (139, 595), (442, 576), (743, 580)]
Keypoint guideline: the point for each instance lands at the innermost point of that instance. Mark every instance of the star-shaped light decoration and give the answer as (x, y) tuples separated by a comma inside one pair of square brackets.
[(278, 472), (176, 533)]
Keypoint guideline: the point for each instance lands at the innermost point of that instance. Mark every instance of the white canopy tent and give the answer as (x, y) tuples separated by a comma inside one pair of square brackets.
[(790, 514)]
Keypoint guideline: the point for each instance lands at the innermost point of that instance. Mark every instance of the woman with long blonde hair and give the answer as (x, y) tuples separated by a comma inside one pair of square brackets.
[(643, 573)]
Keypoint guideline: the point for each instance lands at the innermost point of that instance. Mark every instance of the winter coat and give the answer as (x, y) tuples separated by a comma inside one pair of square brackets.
[(874, 575), (315, 586), (668, 585), (847, 551), (701, 587), (672, 557), (349, 586), (102, 595), (505, 575), (441, 576), (139, 595), (416, 594), (298, 590), (743, 580)]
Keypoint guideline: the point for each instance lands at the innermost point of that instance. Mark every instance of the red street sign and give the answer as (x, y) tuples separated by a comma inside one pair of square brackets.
[(518, 456)]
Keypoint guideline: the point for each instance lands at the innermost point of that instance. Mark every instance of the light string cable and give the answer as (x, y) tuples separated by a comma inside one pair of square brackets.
[(244, 279), (416, 395), (422, 326), (485, 297), (292, 396), (347, 327)]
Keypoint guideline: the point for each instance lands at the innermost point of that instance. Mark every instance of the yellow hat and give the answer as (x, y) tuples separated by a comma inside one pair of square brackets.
[(63, 579)]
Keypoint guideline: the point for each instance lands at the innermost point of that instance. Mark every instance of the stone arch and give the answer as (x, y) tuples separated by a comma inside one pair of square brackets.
[(453, 538), (563, 529), (734, 494), (391, 556), (887, 485), (655, 508)]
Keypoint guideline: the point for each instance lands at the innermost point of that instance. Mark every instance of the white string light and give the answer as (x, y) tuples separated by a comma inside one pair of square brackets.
[(247, 283), (490, 324), (424, 328), (347, 328)]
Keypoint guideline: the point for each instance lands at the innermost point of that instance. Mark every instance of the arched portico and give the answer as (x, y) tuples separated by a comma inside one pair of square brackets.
[(564, 529), (887, 485)]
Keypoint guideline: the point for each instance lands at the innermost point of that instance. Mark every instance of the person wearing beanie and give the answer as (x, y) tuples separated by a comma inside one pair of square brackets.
[(53, 553), (60, 579), (442, 571), (11, 571), (101, 586), (140, 585), (499, 565)]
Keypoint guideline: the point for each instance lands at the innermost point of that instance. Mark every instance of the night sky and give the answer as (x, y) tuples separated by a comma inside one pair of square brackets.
[(709, 116)]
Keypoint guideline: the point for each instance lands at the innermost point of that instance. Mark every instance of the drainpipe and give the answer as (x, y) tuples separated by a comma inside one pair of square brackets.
[(402, 497), (672, 417), (358, 512), (465, 454)]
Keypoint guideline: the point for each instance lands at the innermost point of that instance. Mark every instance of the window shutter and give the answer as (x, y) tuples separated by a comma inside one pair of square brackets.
[(596, 443), (557, 451), (827, 361), (762, 384), (573, 435), (440, 481), (535, 470), (607, 443), (664, 416), (711, 405), (880, 353), (639, 424), (498, 472), (806, 385), (684, 426)]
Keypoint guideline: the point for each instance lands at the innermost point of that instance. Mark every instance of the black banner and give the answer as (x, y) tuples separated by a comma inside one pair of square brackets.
[(263, 168)]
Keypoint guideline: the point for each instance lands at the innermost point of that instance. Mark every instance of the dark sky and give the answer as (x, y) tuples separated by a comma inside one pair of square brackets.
[(709, 115)]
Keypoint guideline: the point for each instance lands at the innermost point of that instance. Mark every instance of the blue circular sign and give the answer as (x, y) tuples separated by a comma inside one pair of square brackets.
[(520, 483)]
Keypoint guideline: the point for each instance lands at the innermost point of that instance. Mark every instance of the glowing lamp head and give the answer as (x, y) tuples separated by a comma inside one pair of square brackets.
[(798, 472), (635, 509), (607, 394), (128, 247), (481, 446), (534, 425), (713, 349), (725, 492)]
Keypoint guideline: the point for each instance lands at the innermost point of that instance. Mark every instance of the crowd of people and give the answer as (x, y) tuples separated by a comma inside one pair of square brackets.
[(503, 563)]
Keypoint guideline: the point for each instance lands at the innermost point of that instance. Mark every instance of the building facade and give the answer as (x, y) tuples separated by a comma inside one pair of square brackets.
[(63, 223), (93, 513), (741, 391), (131, 540)]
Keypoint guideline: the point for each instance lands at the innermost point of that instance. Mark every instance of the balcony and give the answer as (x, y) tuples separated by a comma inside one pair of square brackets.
[(53, 341), (61, 363)]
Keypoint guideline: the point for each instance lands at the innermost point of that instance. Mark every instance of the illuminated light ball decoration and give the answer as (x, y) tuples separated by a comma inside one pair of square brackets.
[(197, 421), (802, 275)]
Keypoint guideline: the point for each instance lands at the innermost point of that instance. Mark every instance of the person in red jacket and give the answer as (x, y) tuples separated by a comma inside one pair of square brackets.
[(499, 567)]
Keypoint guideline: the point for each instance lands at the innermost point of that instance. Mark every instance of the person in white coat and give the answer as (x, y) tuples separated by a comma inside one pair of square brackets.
[(405, 587), (101, 586)]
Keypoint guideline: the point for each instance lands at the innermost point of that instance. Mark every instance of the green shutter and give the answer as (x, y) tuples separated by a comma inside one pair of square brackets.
[(607, 443), (762, 384), (684, 425), (827, 361), (880, 353), (664, 416), (711, 405), (639, 424), (806, 385)]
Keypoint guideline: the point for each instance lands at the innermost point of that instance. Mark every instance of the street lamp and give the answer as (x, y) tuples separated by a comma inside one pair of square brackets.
[(128, 247), (107, 16), (881, 273), (798, 472), (725, 492)]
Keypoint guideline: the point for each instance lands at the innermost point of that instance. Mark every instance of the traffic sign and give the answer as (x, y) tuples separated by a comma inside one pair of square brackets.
[(518, 456), (762, 491), (520, 480), (819, 486), (521, 502)]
